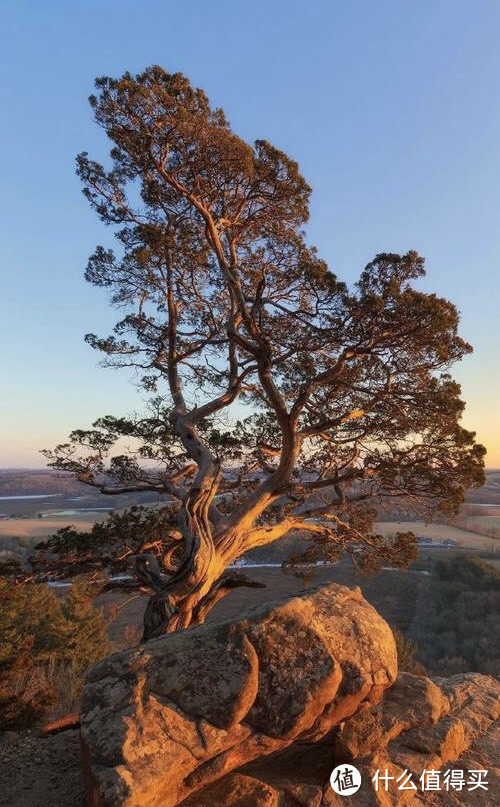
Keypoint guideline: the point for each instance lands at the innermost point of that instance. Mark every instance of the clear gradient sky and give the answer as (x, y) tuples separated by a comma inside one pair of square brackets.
[(392, 109)]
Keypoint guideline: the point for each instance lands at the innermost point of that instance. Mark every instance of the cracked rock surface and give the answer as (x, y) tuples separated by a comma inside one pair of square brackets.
[(163, 721), (440, 724)]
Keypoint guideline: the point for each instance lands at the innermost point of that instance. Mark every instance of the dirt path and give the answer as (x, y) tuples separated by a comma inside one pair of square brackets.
[(40, 772)]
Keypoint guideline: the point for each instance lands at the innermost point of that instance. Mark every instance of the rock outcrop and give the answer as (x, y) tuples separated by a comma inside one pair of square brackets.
[(419, 725), (162, 721), (423, 725)]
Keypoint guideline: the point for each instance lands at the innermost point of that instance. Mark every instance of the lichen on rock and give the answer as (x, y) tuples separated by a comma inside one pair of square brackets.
[(162, 721)]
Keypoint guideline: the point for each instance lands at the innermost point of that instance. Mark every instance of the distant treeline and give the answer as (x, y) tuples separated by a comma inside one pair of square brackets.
[(457, 620)]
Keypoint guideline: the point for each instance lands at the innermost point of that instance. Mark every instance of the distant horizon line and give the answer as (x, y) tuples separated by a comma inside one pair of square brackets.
[(46, 468)]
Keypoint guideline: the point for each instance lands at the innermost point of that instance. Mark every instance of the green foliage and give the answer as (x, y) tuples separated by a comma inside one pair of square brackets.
[(38, 631), (108, 544), (457, 622), (86, 636), (215, 277), (345, 393)]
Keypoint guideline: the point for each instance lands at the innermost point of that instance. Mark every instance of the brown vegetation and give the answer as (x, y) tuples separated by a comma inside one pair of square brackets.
[(46, 645)]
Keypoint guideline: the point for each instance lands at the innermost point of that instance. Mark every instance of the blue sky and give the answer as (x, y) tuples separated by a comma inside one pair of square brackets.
[(391, 108)]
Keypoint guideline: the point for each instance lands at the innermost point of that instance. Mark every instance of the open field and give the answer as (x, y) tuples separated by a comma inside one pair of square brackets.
[(492, 521), (41, 527), (439, 532)]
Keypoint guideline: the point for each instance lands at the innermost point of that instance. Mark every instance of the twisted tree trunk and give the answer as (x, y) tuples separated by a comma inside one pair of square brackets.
[(167, 611), (187, 596)]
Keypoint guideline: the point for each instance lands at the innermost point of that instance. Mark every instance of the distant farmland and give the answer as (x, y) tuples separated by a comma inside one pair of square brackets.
[(491, 521), (439, 532), (30, 529), (27, 528)]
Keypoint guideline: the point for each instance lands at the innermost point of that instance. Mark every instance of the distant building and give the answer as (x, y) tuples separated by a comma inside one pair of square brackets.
[(423, 539)]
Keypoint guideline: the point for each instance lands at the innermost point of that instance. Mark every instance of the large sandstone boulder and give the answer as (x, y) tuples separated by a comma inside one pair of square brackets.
[(421, 724), (162, 721)]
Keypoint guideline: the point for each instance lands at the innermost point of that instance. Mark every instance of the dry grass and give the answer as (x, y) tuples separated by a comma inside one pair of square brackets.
[(491, 520), (56, 684)]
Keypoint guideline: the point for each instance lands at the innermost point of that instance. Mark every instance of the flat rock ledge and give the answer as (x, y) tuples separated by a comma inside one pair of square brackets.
[(163, 721)]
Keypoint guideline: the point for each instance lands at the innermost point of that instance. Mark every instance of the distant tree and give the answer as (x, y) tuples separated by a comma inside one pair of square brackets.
[(268, 378)]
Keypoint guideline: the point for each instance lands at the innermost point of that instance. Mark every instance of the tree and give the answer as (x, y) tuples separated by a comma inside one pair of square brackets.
[(46, 644), (280, 399)]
